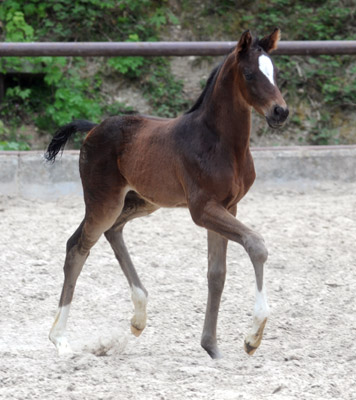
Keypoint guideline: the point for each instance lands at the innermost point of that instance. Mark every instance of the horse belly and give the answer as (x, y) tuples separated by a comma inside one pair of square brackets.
[(155, 181)]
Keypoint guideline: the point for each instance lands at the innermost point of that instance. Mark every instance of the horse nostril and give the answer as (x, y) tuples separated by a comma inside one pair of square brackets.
[(280, 112)]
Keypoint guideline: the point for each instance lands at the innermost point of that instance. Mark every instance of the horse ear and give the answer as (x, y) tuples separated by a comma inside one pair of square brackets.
[(244, 43), (270, 43)]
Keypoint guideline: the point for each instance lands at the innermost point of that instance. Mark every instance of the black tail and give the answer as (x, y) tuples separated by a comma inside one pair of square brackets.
[(63, 134)]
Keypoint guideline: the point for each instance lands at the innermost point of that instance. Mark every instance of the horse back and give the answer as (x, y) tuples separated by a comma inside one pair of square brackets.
[(141, 150)]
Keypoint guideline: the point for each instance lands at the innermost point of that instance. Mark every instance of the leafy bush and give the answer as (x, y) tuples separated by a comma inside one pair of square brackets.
[(65, 93)]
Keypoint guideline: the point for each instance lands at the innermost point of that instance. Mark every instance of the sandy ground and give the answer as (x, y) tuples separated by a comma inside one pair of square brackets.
[(308, 350)]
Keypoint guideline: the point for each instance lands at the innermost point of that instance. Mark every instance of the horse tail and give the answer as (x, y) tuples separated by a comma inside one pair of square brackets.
[(61, 137)]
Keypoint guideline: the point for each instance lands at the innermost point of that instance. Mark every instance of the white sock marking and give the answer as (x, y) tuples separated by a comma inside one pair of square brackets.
[(260, 314), (266, 67), (261, 309), (140, 301), (57, 332)]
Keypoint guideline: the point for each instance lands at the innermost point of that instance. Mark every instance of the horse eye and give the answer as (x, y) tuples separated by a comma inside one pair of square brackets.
[(248, 76)]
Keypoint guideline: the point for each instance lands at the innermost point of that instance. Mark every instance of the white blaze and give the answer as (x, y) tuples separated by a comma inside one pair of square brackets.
[(266, 67)]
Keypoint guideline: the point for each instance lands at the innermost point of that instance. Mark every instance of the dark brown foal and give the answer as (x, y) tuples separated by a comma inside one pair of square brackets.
[(131, 166)]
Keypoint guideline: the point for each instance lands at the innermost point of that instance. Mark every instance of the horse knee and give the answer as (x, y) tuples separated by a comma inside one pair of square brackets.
[(256, 249), (260, 254)]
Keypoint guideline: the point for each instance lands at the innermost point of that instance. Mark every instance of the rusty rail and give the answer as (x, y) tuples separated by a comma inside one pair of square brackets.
[(110, 49)]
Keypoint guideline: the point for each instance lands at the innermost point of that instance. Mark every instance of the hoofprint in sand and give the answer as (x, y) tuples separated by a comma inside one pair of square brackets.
[(308, 351)]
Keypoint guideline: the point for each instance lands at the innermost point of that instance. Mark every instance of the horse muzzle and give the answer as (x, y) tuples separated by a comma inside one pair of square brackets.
[(277, 117)]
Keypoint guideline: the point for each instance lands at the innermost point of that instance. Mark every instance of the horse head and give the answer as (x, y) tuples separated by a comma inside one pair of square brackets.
[(257, 77)]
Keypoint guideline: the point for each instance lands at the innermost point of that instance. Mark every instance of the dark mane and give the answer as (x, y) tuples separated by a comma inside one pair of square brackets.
[(209, 85)]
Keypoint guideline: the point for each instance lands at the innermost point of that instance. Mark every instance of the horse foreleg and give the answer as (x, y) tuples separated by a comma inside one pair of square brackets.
[(216, 218), (254, 245), (217, 246)]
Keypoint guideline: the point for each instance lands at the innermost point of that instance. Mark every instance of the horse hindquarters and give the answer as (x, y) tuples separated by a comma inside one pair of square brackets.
[(104, 193)]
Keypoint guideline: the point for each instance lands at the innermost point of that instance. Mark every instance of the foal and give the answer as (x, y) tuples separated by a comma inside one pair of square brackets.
[(130, 166)]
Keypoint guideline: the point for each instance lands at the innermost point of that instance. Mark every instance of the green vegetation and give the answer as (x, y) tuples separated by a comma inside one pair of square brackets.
[(321, 91), (67, 92)]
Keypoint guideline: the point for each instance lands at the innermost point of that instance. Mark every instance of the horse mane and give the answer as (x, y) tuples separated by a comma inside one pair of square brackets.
[(208, 87), (210, 83)]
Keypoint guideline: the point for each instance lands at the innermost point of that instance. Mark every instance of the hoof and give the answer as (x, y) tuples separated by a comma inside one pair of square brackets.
[(250, 350), (138, 324), (135, 331), (62, 345), (253, 340)]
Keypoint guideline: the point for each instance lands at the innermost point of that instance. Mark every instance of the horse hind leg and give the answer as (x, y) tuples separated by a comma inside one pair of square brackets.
[(97, 220), (72, 268), (134, 207), (138, 292)]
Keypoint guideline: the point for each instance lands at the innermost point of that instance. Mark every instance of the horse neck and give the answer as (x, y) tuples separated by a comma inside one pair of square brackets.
[(227, 112)]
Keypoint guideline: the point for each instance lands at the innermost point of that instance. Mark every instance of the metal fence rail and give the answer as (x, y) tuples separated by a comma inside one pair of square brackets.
[(110, 49)]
